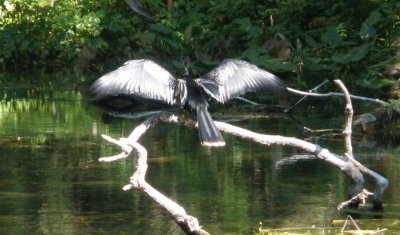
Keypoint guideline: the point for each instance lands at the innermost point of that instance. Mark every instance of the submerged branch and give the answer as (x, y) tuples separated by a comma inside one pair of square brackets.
[(359, 197), (381, 182)]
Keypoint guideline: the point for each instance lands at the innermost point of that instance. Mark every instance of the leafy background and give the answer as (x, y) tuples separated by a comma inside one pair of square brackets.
[(303, 41)]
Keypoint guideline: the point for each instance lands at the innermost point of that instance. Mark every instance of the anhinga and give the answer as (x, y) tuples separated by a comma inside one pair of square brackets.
[(146, 79)]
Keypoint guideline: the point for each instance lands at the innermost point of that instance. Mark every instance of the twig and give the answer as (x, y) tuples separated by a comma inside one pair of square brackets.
[(246, 100), (345, 223), (330, 94), (358, 228), (379, 231), (290, 109), (361, 196)]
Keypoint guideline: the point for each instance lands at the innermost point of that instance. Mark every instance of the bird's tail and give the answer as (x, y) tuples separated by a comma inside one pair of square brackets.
[(209, 133)]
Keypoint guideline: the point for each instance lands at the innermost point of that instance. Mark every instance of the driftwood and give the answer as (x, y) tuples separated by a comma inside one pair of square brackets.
[(189, 224)]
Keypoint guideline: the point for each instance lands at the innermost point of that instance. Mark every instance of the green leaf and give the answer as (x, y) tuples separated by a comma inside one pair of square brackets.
[(244, 23), (188, 33), (147, 37), (115, 27), (311, 42), (355, 54), (332, 38), (24, 45), (367, 32), (276, 65), (240, 27), (374, 17), (252, 53), (162, 29), (375, 83)]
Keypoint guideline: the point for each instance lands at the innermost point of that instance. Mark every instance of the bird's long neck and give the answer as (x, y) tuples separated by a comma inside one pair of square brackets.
[(185, 68), (195, 96), (186, 73)]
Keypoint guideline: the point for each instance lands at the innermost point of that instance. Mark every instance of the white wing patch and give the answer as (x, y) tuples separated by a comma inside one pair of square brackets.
[(142, 78), (236, 77)]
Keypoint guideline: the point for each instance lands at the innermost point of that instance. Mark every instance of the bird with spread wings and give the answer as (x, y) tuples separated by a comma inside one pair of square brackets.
[(147, 80)]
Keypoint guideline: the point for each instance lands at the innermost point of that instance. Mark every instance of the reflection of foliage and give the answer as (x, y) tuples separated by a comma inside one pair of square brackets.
[(346, 39), (48, 118), (52, 174)]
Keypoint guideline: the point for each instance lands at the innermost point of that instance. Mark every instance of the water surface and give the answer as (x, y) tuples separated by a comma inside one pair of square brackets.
[(52, 183)]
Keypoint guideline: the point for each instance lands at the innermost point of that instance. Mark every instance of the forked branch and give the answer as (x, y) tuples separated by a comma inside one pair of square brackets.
[(189, 224), (332, 94)]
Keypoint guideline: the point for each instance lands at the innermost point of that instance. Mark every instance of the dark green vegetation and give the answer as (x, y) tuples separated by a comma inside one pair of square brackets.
[(311, 40), (52, 183)]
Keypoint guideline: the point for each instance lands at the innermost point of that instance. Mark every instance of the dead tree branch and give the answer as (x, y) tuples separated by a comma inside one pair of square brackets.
[(381, 182), (331, 94), (315, 89), (348, 110), (314, 93), (189, 224), (357, 181)]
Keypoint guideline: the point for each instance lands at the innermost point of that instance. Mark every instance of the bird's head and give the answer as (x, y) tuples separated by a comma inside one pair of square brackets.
[(186, 62)]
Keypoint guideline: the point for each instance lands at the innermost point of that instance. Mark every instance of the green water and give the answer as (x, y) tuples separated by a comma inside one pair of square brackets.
[(52, 183)]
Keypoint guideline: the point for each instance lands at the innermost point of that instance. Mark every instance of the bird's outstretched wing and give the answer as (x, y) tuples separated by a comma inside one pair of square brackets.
[(142, 78), (233, 78)]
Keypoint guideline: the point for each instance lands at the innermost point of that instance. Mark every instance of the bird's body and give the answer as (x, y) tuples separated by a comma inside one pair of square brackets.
[(196, 101), (146, 79)]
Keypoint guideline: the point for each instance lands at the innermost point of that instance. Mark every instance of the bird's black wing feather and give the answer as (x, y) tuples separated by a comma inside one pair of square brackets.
[(142, 78), (233, 78)]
